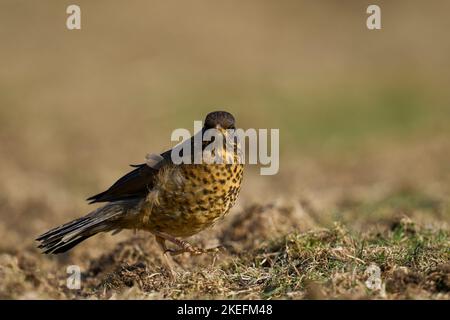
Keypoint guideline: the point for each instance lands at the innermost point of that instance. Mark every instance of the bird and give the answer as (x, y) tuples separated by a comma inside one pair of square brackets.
[(171, 201)]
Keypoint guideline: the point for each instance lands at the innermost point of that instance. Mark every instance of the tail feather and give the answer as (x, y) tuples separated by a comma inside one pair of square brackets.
[(66, 236), (65, 246)]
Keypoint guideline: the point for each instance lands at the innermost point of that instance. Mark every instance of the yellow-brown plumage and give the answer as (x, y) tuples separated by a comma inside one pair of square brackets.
[(189, 198), (169, 200)]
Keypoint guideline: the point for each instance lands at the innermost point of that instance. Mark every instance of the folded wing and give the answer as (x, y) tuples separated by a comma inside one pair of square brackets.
[(135, 184)]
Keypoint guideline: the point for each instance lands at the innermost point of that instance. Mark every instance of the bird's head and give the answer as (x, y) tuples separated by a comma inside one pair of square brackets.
[(220, 120), (222, 123)]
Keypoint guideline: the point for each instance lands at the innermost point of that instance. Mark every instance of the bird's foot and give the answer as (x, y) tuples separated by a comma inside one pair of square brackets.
[(184, 246), (193, 250)]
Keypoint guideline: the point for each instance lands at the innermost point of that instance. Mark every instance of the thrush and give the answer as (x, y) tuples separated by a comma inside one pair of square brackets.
[(172, 201)]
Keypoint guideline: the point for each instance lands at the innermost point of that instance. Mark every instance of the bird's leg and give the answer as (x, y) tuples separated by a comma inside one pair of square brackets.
[(167, 258), (187, 247), (184, 245), (194, 250)]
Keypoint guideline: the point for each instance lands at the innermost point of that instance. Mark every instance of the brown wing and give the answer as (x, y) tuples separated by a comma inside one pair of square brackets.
[(135, 184)]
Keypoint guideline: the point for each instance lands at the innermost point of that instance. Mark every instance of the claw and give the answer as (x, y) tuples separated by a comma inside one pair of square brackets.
[(183, 245), (193, 250)]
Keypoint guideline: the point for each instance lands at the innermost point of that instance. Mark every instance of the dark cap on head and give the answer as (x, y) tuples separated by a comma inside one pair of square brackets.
[(222, 118)]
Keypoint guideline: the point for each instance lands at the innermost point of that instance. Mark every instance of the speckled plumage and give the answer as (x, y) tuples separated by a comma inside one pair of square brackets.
[(162, 197), (189, 198)]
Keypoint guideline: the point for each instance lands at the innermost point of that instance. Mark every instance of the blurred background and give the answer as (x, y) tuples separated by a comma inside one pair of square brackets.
[(363, 115)]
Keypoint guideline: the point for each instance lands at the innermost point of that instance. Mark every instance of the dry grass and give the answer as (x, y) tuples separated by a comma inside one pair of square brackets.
[(289, 246), (319, 264)]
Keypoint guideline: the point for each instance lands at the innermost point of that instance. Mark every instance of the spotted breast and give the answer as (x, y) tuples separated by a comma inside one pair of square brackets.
[(187, 199)]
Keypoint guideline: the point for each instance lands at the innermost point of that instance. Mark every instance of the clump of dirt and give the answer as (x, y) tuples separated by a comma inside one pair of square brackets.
[(404, 282), (439, 278), (138, 249), (401, 278), (131, 263), (258, 223)]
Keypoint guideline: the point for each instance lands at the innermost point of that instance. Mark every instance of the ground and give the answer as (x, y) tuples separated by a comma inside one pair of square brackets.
[(316, 242)]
